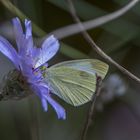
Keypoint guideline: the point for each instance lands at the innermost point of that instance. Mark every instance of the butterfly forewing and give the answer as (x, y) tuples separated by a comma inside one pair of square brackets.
[(92, 66), (74, 86)]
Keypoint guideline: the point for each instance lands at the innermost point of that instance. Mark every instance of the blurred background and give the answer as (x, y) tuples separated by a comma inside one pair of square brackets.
[(117, 115)]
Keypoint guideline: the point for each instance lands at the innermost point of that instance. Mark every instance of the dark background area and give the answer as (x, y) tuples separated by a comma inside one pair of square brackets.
[(119, 118)]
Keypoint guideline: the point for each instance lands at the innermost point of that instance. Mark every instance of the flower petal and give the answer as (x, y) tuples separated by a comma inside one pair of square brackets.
[(28, 28), (7, 49), (49, 48), (43, 92), (40, 91), (25, 68), (44, 103), (19, 35), (24, 41), (28, 36), (58, 108)]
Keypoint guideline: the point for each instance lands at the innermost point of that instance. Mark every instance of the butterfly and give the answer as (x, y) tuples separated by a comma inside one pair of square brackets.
[(75, 81)]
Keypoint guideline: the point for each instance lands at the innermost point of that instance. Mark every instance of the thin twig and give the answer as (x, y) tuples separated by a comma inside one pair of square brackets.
[(75, 28), (97, 48), (91, 109)]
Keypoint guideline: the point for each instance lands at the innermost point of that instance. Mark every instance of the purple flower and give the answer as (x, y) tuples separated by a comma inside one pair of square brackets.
[(28, 59)]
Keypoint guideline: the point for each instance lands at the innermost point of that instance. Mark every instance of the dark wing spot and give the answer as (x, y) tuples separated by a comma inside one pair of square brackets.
[(83, 74)]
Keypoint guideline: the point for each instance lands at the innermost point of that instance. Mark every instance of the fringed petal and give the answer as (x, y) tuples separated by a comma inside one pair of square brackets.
[(49, 48), (18, 32), (43, 93), (58, 108), (7, 49)]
